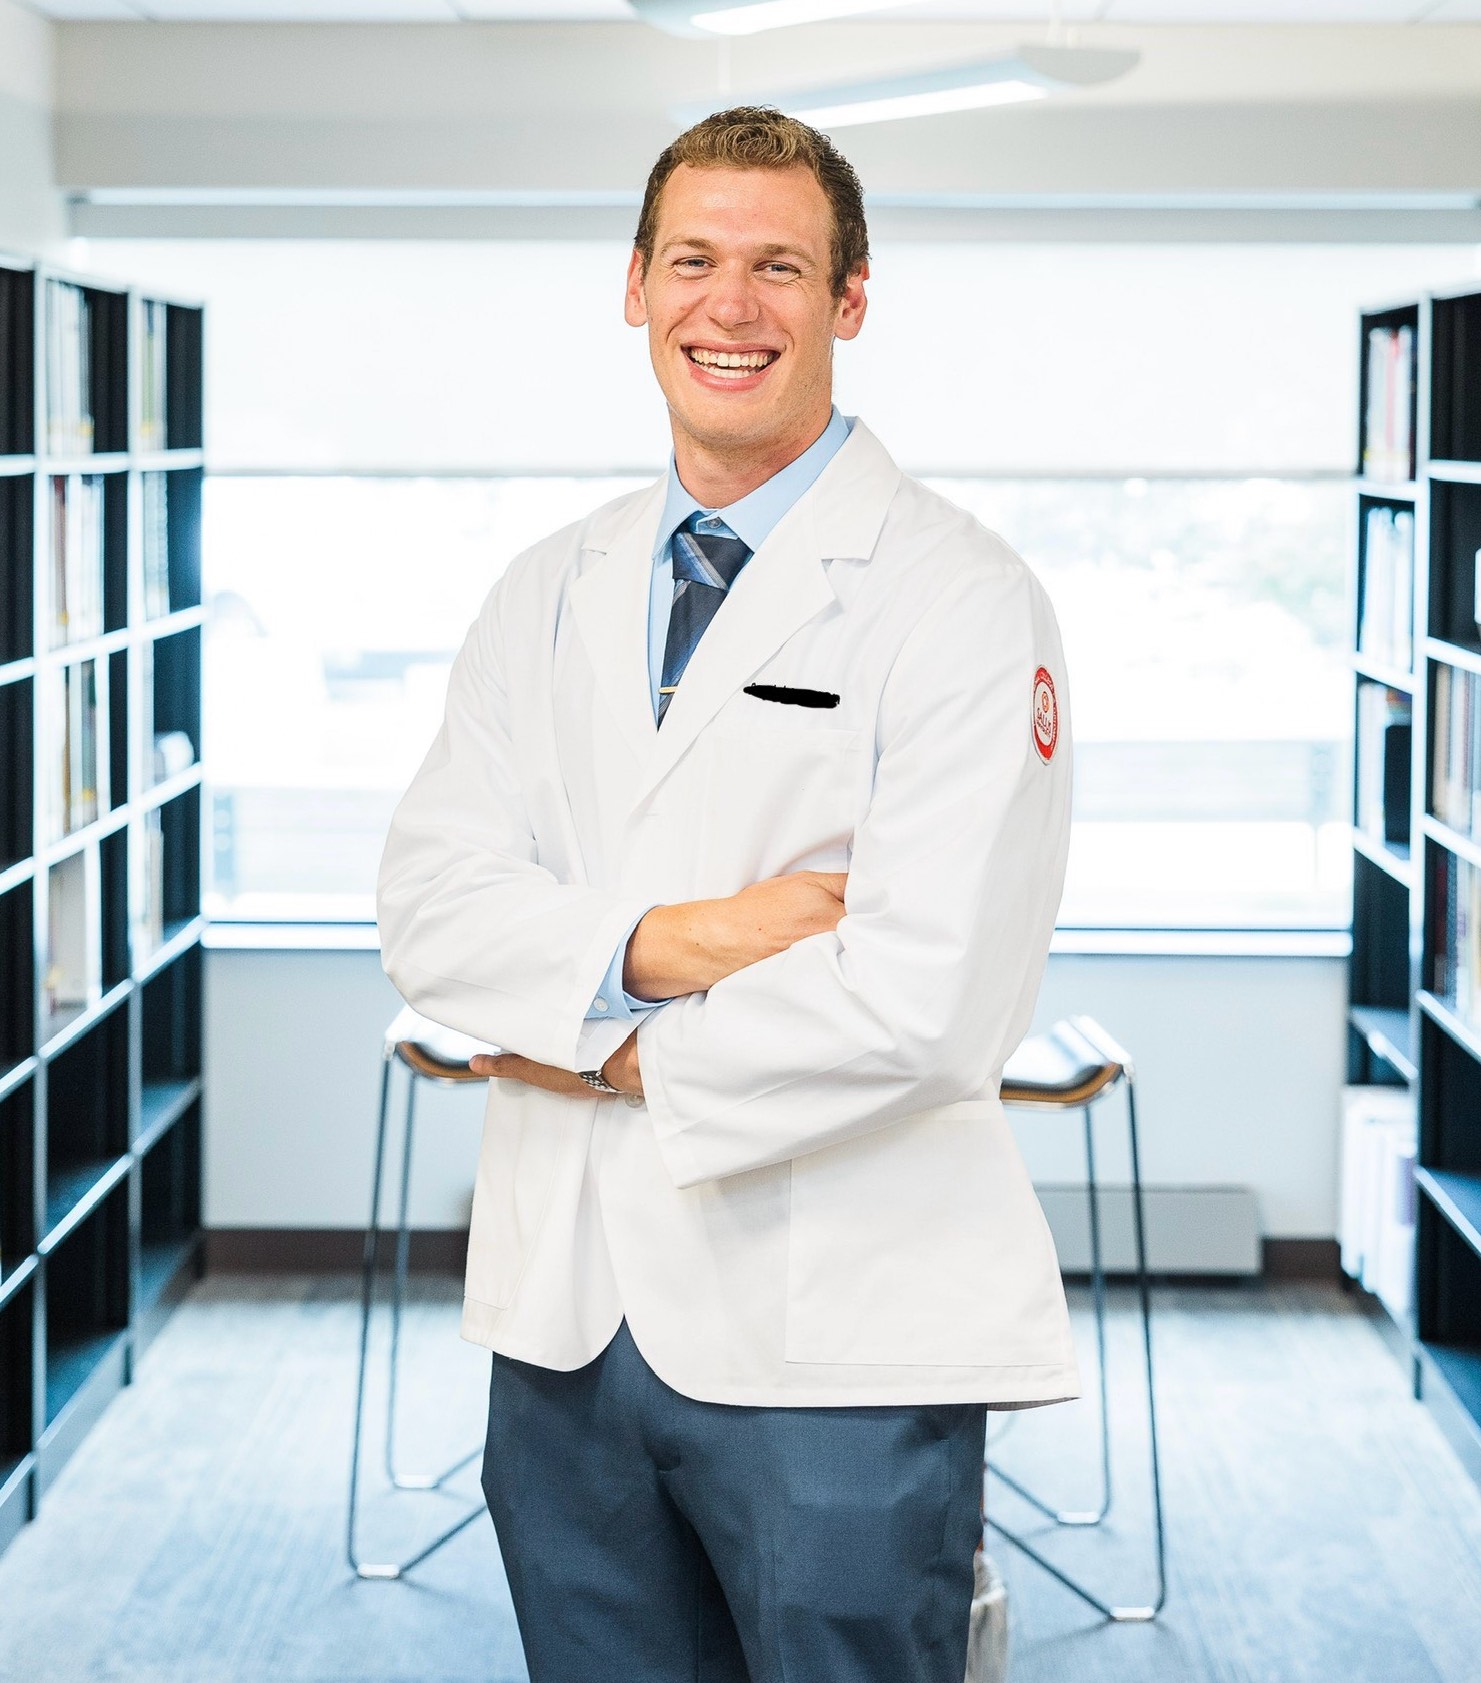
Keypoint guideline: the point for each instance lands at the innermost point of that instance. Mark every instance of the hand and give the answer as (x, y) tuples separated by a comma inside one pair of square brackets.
[(688, 947), (621, 1069)]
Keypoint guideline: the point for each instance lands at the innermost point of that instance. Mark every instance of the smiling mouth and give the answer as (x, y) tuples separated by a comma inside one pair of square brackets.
[(730, 365)]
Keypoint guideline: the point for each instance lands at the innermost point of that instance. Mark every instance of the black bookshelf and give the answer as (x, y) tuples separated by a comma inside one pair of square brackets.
[(1415, 1015), (100, 843)]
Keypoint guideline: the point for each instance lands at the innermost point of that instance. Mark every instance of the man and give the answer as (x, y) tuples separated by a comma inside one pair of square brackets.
[(743, 839)]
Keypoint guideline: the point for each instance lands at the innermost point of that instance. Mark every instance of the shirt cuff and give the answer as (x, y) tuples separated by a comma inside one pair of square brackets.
[(612, 1003)]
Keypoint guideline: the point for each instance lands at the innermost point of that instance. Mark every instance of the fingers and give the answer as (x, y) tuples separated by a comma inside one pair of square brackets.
[(510, 1066)]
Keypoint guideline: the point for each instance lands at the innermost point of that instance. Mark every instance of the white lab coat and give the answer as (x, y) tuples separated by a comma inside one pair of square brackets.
[(819, 1201)]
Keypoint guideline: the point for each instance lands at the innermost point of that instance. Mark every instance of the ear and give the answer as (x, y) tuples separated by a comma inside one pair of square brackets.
[(634, 306), (852, 305)]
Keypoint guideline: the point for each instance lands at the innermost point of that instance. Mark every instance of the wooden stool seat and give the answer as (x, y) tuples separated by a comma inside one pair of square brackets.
[(432, 1051), (1064, 1069)]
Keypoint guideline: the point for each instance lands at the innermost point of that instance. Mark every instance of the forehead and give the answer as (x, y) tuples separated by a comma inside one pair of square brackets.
[(720, 204)]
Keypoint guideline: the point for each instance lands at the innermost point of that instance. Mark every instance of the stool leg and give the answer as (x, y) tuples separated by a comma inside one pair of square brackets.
[(1144, 1293), (389, 1570), (409, 1481), (1120, 1615), (1098, 1298), (1071, 1516), (367, 1293)]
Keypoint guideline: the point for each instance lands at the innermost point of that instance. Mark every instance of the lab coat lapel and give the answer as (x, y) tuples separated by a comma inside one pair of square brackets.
[(609, 602), (783, 586)]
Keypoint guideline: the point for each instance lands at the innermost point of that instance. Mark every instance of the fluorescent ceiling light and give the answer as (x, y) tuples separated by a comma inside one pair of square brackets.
[(779, 14), (1029, 73), (884, 107)]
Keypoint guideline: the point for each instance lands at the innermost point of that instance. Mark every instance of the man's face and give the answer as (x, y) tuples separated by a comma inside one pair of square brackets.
[(740, 313)]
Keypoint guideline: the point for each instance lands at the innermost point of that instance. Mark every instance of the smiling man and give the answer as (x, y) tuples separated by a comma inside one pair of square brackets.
[(743, 838)]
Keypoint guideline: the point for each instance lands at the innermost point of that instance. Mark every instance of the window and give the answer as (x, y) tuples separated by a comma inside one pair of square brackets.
[(1204, 627)]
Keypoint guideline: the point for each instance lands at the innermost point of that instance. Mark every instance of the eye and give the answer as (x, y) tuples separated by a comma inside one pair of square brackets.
[(779, 268), (690, 263)]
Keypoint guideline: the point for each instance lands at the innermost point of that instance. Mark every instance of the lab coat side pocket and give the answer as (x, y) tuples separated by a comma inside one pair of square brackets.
[(923, 1245), (517, 1163)]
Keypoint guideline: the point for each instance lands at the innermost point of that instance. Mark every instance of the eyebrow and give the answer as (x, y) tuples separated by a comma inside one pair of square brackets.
[(698, 243)]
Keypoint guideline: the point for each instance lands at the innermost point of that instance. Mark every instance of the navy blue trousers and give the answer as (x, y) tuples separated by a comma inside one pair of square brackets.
[(650, 1538)]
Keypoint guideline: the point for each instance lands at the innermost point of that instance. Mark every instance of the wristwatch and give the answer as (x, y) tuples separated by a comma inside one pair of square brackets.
[(598, 1082)]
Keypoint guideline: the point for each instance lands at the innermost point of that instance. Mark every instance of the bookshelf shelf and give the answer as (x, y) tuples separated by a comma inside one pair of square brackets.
[(1400, 491), (101, 619), (12, 1282), (1463, 847), (1458, 1197), (1455, 473), (1392, 858), (1389, 1034), (1452, 654), (1389, 676)]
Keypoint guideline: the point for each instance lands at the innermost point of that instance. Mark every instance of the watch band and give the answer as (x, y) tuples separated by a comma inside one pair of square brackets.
[(597, 1081)]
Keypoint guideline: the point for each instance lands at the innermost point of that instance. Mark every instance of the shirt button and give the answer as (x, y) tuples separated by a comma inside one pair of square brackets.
[(600, 1003), (633, 1101)]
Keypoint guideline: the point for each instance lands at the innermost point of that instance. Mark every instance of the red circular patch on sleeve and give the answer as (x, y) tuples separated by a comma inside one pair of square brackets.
[(1046, 715)]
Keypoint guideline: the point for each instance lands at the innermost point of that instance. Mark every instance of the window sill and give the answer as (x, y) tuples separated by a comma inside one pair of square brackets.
[(1097, 943)]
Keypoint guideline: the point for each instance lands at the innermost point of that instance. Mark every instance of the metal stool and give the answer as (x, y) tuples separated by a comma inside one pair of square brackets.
[(1070, 1068), (440, 1055)]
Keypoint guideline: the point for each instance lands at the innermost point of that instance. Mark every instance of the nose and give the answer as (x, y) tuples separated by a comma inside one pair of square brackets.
[(733, 299)]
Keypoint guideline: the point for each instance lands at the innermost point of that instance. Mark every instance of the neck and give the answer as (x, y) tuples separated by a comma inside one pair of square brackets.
[(716, 475)]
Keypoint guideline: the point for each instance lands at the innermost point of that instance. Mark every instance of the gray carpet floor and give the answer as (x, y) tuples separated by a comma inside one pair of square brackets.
[(1320, 1530)]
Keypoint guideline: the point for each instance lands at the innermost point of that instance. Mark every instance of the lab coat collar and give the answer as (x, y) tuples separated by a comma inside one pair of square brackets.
[(782, 587)]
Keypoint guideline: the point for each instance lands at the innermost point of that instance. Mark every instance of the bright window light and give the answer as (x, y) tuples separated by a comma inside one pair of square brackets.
[(778, 14), (890, 106), (1205, 635)]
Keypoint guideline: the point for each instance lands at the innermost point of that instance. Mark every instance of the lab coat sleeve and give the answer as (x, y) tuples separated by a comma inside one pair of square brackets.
[(475, 932), (929, 981)]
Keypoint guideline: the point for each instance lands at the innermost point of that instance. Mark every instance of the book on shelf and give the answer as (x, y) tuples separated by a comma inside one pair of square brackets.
[(69, 409), (1388, 445), (1455, 929), (174, 752), (153, 388), (1385, 738), (1376, 1221), (149, 886), (74, 801), (154, 496), (76, 533), (1455, 750), (1386, 629), (73, 975)]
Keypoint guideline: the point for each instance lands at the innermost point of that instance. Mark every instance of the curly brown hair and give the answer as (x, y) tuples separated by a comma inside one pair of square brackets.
[(761, 137)]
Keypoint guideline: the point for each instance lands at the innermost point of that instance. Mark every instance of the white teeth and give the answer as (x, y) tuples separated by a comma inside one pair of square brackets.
[(749, 361)]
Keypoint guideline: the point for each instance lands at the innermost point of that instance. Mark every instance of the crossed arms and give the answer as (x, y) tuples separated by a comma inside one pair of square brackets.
[(791, 1026), (687, 948)]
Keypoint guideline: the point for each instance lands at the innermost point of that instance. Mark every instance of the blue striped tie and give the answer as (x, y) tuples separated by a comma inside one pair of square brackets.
[(705, 567)]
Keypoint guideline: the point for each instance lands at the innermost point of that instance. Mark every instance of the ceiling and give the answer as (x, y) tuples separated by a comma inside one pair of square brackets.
[(1012, 11)]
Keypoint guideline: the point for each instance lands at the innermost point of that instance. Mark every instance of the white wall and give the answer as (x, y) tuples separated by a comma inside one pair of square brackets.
[(1239, 1062), (363, 355), (32, 214)]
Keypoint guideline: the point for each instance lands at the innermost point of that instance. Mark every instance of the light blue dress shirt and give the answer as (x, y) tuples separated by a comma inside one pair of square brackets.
[(752, 519)]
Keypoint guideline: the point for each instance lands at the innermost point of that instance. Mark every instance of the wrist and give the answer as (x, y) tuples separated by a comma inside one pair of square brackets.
[(669, 952), (622, 1069)]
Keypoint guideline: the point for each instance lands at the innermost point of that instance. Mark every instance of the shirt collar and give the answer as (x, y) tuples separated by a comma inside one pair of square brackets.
[(753, 517)]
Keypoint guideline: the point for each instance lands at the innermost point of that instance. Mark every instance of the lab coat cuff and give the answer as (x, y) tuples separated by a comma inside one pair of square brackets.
[(595, 962), (669, 1130), (599, 1039), (612, 1001)]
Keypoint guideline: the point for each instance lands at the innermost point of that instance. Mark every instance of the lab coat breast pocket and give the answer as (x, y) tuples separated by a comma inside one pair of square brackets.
[(783, 796)]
